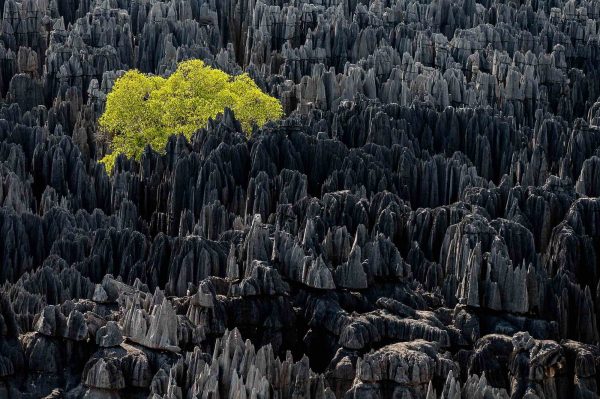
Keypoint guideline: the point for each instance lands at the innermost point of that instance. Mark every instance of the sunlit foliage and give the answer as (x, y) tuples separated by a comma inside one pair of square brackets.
[(144, 109)]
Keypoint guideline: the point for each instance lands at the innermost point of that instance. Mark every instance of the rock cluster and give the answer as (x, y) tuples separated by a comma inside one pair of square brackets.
[(424, 222)]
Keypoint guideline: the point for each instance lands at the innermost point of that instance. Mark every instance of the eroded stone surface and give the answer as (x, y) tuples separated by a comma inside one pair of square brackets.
[(423, 222)]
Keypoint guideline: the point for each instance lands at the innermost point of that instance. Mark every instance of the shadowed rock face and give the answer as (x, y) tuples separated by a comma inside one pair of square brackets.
[(424, 222)]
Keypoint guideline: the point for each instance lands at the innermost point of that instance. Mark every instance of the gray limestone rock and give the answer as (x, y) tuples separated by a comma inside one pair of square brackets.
[(422, 221), (109, 335)]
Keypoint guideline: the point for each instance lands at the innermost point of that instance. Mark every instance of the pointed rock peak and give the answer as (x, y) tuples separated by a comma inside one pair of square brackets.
[(100, 294), (109, 335), (316, 274), (351, 274)]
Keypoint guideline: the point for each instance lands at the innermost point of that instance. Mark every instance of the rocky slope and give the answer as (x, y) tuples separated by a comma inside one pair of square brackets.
[(423, 223)]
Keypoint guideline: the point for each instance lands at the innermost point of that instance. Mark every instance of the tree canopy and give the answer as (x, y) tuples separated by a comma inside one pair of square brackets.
[(143, 109)]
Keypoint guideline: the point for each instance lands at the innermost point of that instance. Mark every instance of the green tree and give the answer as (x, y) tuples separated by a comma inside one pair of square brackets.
[(143, 109)]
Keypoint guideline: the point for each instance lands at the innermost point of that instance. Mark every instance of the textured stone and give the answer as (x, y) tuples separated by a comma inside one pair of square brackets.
[(422, 221)]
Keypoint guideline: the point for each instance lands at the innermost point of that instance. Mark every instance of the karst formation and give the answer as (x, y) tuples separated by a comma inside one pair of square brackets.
[(423, 223)]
